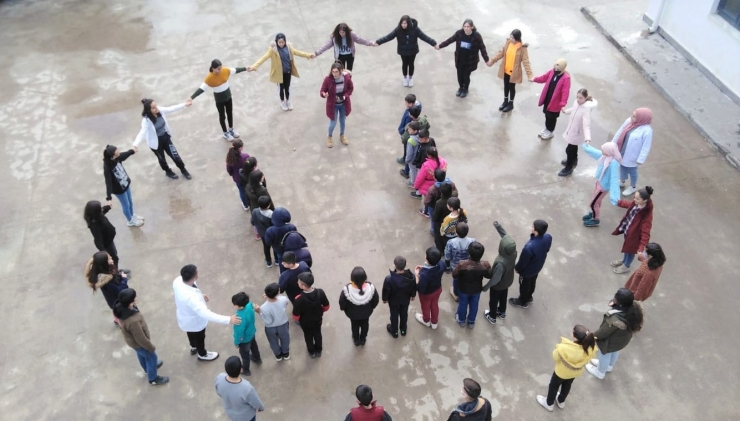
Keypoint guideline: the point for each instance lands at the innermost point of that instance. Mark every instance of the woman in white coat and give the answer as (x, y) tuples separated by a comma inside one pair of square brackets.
[(634, 140), (156, 131), (578, 130)]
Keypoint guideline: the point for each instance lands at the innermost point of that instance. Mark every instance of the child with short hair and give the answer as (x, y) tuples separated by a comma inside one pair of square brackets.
[(289, 278), (433, 194), (367, 409), (429, 286), (415, 115), (262, 220), (244, 333), (474, 407), (277, 329), (399, 289), (441, 210), (308, 310), (470, 274), (410, 100), (456, 250), (412, 146)]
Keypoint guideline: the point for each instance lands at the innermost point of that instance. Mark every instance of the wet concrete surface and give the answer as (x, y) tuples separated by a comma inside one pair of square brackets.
[(73, 75)]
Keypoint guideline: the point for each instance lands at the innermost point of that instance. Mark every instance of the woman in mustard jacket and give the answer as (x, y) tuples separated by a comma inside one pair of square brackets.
[(570, 356), (282, 66), (512, 56)]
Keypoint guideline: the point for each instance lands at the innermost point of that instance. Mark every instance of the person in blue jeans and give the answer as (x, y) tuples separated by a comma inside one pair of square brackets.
[(456, 251), (337, 88), (136, 334), (117, 182), (470, 274)]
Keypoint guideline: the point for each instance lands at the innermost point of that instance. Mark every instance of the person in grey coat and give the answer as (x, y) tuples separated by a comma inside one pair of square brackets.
[(240, 400)]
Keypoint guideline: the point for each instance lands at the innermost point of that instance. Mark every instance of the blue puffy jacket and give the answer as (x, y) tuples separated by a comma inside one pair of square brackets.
[(533, 255)]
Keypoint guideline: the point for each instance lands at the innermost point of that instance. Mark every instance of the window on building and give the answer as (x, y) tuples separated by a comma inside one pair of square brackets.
[(730, 10)]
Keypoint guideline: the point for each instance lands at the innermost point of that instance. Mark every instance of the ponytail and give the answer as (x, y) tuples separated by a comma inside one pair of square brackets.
[(233, 155), (585, 94), (358, 277), (584, 338)]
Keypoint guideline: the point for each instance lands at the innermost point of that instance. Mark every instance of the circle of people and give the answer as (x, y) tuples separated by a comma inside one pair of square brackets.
[(453, 250)]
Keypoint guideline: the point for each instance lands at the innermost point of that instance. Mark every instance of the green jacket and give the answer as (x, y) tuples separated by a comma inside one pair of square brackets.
[(503, 264), (613, 334), (423, 122), (244, 332)]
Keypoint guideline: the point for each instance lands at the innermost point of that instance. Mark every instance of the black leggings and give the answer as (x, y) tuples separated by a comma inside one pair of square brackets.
[(224, 112), (509, 88), (555, 384), (359, 329), (167, 147), (407, 64), (551, 119), (571, 153), (347, 61), (285, 87), (463, 75)]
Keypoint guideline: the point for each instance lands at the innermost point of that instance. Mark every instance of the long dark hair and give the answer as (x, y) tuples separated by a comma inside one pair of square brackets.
[(624, 301), (657, 257), (98, 264), (234, 153), (432, 153), (147, 112), (347, 34), (584, 337), (517, 35), (645, 193), (93, 213), (214, 63), (255, 178), (249, 165), (358, 277), (406, 18)]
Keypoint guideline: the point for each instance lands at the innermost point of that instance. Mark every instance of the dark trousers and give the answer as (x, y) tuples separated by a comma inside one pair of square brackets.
[(497, 302), (399, 311), (440, 241), (509, 88), (551, 119), (285, 87), (312, 335), (526, 288), (347, 61), (198, 341), (463, 75), (266, 249), (555, 384), (224, 112), (167, 147), (111, 249), (407, 64), (246, 349), (403, 142), (571, 156), (359, 329)]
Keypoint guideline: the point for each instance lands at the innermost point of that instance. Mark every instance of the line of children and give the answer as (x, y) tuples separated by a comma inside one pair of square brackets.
[(447, 228), (274, 235), (262, 220), (399, 289), (289, 278), (440, 212), (412, 146), (414, 114), (427, 160), (308, 310), (433, 194)]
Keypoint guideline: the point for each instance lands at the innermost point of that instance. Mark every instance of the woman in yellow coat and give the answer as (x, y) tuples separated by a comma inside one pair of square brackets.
[(570, 356), (282, 66), (512, 56)]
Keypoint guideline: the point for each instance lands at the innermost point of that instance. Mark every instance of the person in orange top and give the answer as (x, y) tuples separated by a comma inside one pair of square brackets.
[(642, 283), (514, 55), (218, 81)]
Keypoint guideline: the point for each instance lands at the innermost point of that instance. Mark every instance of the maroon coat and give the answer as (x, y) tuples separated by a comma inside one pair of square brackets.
[(329, 87), (638, 234)]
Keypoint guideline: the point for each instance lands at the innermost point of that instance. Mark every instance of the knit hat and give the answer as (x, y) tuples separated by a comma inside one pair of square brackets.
[(127, 296), (563, 63), (279, 36)]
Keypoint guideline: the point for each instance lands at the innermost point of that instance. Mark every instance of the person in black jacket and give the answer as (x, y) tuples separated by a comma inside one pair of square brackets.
[(429, 284), (118, 182), (407, 34), (474, 407), (289, 278), (102, 230), (531, 262), (439, 214), (256, 189), (468, 45), (262, 220), (358, 300), (308, 310), (399, 289), (101, 274)]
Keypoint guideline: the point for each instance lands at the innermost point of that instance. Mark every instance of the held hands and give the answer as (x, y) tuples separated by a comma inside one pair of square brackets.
[(531, 79), (489, 63), (188, 102), (135, 148), (109, 203), (235, 320), (436, 47), (312, 56), (374, 44), (250, 69)]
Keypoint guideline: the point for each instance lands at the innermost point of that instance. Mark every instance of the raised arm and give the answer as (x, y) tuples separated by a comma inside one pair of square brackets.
[(325, 47), (542, 78), (261, 60), (424, 37), (390, 36), (498, 56), (142, 132), (300, 53), (448, 41), (360, 40)]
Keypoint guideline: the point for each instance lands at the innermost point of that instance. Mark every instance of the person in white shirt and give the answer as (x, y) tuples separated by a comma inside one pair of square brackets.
[(193, 314)]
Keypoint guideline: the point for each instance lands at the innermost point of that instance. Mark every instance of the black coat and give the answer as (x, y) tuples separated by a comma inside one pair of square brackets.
[(478, 48), (103, 231), (421, 153), (399, 288), (358, 311), (408, 43)]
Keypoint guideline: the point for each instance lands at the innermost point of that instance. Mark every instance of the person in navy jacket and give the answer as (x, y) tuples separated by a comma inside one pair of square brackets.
[(530, 263)]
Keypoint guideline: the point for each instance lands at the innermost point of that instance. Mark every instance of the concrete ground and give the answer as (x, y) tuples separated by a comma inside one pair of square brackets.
[(73, 75)]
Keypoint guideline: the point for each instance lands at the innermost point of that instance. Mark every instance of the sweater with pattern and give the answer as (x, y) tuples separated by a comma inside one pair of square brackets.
[(219, 83)]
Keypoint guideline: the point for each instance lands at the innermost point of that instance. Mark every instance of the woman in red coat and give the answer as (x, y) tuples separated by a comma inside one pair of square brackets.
[(337, 88), (642, 283), (554, 96), (635, 226)]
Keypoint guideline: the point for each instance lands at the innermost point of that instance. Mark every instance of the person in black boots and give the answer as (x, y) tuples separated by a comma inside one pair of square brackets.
[(503, 276), (399, 288), (468, 44), (358, 300), (308, 311), (102, 230), (407, 34), (531, 262), (156, 131), (513, 56)]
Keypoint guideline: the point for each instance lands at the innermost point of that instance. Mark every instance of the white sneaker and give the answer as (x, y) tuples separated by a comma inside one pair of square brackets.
[(629, 191), (434, 326), (284, 105), (557, 401), (233, 132), (210, 356), (135, 222), (542, 132), (411, 82), (548, 135), (420, 319), (594, 371), (289, 104), (405, 81), (228, 136), (543, 401), (139, 217), (595, 363)]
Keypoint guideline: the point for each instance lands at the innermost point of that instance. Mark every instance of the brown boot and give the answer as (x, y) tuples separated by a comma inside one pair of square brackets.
[(329, 142), (344, 140)]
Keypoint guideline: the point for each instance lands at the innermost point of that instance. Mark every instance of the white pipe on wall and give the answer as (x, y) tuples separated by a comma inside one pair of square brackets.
[(656, 21)]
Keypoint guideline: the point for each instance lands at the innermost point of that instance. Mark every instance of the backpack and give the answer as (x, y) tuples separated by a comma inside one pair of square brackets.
[(295, 241), (421, 153)]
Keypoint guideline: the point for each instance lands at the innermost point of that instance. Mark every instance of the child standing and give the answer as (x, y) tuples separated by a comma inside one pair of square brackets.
[(457, 214), (239, 398), (273, 314), (607, 179), (470, 274), (244, 333), (358, 300), (399, 288), (262, 220), (235, 160), (414, 115), (530, 263), (429, 285), (502, 276), (411, 144), (289, 279), (441, 210), (367, 409), (308, 310), (474, 407), (440, 177), (456, 251), (430, 161)]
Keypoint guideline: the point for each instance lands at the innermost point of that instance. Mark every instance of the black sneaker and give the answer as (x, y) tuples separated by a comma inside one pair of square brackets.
[(503, 104), (172, 175), (459, 92), (356, 342), (193, 351), (390, 330), (492, 319), (508, 107), (160, 380), (313, 355), (187, 175), (404, 174), (286, 356), (501, 315), (268, 263), (464, 93), (246, 373), (565, 172), (416, 195), (257, 361), (318, 354), (362, 342), (516, 303), (403, 333)]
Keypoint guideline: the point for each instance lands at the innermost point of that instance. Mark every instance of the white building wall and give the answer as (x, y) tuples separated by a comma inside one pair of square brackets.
[(706, 36)]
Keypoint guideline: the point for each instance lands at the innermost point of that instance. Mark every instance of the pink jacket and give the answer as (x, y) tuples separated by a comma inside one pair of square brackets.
[(425, 178), (562, 91), (579, 124)]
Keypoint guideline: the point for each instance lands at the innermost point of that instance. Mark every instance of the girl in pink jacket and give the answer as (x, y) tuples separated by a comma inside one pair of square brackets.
[(578, 130), (554, 96), (425, 178)]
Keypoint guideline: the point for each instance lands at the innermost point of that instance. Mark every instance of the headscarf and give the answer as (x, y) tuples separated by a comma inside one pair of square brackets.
[(563, 63), (609, 152), (643, 116)]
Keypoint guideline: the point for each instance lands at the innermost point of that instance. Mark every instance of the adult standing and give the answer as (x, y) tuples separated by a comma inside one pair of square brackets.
[(473, 407), (337, 89), (101, 274), (634, 139), (343, 39), (240, 400), (407, 34), (635, 226), (282, 66), (468, 45), (642, 283), (514, 55), (531, 262), (615, 333), (606, 175), (193, 314), (357, 300), (554, 96), (136, 334), (235, 160), (156, 131), (578, 130), (218, 81), (118, 182), (102, 230)]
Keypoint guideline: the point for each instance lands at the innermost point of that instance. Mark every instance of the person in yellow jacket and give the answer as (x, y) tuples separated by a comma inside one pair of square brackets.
[(282, 66), (512, 56), (570, 356)]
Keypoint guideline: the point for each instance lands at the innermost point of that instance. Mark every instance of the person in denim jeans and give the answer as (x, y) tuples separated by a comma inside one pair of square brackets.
[(456, 250), (117, 182), (470, 274), (337, 88)]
